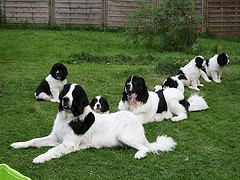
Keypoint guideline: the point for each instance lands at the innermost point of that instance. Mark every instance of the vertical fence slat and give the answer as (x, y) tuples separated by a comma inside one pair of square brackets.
[(104, 13)]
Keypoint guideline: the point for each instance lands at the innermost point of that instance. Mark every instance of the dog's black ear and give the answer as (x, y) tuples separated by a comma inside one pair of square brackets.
[(144, 85), (92, 103), (143, 93), (222, 59), (81, 126), (124, 97), (80, 100), (199, 62), (104, 104), (52, 71), (64, 73), (66, 88)]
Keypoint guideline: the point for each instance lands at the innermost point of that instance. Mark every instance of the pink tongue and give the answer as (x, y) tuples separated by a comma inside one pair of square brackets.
[(133, 98)]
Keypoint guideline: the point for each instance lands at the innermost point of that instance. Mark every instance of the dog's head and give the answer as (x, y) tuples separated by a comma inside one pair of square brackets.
[(135, 89), (199, 61), (99, 104), (59, 71), (170, 82), (223, 59), (73, 98)]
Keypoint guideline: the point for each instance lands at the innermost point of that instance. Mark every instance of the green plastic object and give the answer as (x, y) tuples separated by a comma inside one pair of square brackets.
[(7, 173)]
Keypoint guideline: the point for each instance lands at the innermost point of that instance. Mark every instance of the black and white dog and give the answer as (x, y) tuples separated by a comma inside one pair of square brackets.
[(76, 127), (172, 82), (156, 106), (192, 73), (99, 104), (50, 87), (214, 67)]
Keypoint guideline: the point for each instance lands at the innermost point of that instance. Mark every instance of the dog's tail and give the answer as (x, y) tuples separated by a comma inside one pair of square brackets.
[(162, 144), (197, 103)]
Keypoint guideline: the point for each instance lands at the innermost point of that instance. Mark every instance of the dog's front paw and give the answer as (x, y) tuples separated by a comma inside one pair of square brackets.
[(40, 159), (194, 88), (55, 100), (176, 119), (19, 145), (217, 81)]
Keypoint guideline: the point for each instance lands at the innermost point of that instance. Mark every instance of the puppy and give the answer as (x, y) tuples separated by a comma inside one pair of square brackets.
[(100, 105), (50, 87), (174, 82), (192, 72), (168, 103), (214, 67), (77, 127)]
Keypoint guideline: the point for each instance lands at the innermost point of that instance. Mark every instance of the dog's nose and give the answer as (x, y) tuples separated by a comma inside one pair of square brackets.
[(98, 105)]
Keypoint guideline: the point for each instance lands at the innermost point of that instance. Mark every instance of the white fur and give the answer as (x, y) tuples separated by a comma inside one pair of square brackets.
[(197, 103), (192, 72), (56, 87), (108, 130)]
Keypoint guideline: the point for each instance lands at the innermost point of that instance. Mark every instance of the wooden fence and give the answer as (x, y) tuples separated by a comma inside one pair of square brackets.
[(220, 17)]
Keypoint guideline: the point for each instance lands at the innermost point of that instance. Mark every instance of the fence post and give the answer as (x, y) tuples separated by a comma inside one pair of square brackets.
[(104, 13), (51, 12), (205, 16)]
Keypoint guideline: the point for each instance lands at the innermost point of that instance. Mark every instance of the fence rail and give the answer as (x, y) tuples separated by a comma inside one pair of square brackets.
[(220, 17)]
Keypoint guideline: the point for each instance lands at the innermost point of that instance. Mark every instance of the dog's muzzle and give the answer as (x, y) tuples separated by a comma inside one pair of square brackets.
[(58, 75), (65, 103)]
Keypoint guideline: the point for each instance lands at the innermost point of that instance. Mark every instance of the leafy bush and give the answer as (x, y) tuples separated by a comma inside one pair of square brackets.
[(170, 25)]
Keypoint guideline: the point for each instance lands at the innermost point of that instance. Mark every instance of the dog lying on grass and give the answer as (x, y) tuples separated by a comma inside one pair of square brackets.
[(76, 128)]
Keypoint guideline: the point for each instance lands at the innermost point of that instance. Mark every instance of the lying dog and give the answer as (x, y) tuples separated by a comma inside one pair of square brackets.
[(156, 106), (214, 67), (50, 87), (76, 127)]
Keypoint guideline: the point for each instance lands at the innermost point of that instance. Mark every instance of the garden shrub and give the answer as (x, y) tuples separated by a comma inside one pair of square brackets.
[(169, 25)]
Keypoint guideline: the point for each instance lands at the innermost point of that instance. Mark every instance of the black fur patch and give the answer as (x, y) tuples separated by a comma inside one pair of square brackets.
[(93, 102), (181, 75), (199, 62), (171, 83), (162, 104), (81, 126), (185, 104), (207, 62), (222, 59), (104, 104), (43, 87)]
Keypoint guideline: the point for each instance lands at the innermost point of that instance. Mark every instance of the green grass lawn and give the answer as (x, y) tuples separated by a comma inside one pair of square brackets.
[(208, 142)]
